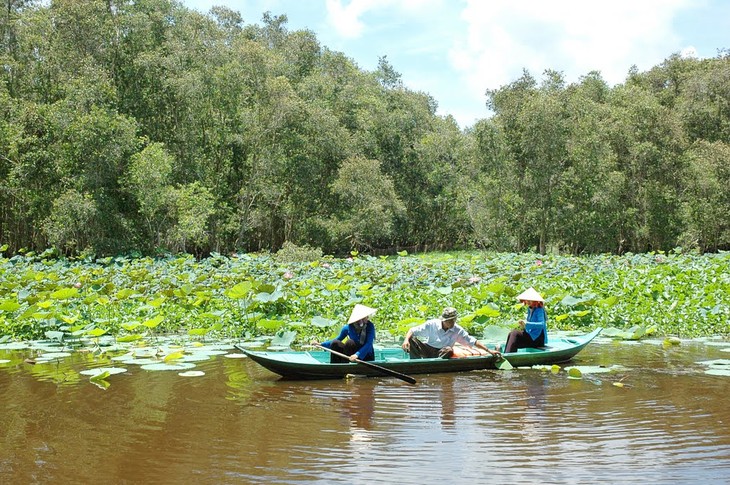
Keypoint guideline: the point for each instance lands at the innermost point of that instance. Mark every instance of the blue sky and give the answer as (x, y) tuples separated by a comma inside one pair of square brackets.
[(457, 49)]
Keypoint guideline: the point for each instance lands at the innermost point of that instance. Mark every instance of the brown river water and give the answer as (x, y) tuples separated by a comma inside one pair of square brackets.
[(669, 423)]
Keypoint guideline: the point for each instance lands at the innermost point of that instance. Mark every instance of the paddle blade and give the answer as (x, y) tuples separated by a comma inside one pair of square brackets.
[(504, 364)]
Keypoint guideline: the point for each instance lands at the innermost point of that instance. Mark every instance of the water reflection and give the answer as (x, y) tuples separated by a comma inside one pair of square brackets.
[(359, 406), (533, 408)]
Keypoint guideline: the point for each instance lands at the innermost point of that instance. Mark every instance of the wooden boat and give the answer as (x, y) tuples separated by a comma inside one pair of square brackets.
[(316, 364)]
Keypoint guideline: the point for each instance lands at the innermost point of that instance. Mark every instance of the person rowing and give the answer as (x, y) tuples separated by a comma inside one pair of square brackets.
[(356, 338)]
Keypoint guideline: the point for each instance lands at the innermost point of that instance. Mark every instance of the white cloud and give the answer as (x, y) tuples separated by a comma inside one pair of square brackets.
[(502, 37), (346, 18)]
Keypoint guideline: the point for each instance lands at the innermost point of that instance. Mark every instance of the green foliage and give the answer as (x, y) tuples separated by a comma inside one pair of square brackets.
[(632, 296), (290, 253), (368, 204), (147, 126), (72, 224), (192, 206)]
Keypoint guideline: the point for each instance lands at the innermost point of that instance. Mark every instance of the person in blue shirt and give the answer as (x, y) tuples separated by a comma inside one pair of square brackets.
[(356, 339), (533, 330)]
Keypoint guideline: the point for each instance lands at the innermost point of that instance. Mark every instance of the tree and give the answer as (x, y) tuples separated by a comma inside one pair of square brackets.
[(192, 206), (368, 204), (706, 200), (72, 224), (147, 181)]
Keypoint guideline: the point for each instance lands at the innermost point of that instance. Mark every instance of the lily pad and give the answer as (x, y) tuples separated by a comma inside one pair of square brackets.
[(163, 366), (54, 355), (209, 352), (574, 373), (145, 352), (123, 357), (192, 373), (133, 361), (250, 345), (715, 363), (595, 369), (101, 370), (14, 346), (716, 343), (236, 356), (204, 348), (718, 372), (195, 357)]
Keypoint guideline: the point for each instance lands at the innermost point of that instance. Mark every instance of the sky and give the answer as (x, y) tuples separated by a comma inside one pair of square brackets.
[(455, 50)]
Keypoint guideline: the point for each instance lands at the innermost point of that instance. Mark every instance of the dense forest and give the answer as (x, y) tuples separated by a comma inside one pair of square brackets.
[(144, 126)]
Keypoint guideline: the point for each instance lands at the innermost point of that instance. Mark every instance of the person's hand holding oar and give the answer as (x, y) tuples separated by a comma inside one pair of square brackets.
[(384, 370)]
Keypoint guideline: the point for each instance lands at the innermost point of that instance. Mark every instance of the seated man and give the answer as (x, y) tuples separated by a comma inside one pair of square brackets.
[(441, 334)]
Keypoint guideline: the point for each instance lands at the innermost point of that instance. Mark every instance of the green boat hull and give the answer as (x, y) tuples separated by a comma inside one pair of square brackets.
[(316, 364)]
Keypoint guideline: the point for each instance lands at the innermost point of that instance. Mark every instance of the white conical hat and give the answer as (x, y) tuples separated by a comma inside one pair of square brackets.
[(360, 312), (530, 294)]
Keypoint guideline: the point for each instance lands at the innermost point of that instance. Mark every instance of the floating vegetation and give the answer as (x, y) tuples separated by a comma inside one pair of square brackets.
[(110, 371), (555, 368), (192, 373), (14, 346), (179, 311), (165, 366), (195, 357), (134, 361), (574, 373), (251, 345), (596, 369), (54, 355), (717, 367), (61, 362), (123, 300)]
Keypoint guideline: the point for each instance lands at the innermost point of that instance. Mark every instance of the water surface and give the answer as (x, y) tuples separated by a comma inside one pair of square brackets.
[(241, 424)]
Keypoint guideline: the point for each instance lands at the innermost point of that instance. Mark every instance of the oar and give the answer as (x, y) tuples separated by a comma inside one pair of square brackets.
[(403, 377)]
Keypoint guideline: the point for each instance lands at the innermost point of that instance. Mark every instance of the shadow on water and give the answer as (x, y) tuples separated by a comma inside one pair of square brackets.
[(240, 424)]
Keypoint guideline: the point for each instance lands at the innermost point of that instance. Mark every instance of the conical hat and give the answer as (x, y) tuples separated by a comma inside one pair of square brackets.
[(360, 312), (530, 295)]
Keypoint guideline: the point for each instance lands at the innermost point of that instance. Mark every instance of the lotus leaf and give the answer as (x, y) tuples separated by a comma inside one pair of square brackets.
[(103, 370), (322, 322), (595, 369), (64, 294), (574, 373), (130, 338), (718, 372), (9, 306), (153, 322), (284, 339), (196, 357), (54, 355), (164, 366), (173, 357)]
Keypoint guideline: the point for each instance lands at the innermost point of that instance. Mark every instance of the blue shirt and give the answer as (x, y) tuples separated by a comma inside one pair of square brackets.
[(536, 322), (366, 351)]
